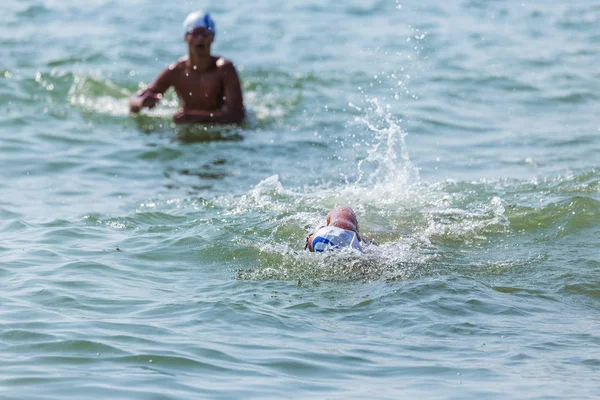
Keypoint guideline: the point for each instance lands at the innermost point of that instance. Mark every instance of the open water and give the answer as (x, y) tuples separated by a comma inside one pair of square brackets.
[(139, 260)]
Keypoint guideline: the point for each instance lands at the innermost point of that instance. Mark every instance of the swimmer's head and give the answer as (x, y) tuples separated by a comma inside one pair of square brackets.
[(343, 217), (333, 238), (341, 231), (198, 22)]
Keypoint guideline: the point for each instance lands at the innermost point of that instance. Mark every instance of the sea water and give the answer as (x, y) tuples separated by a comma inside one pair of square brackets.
[(140, 260)]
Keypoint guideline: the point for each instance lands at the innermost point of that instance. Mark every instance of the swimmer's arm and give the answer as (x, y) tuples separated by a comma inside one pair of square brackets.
[(144, 98), (308, 244), (153, 94), (232, 111)]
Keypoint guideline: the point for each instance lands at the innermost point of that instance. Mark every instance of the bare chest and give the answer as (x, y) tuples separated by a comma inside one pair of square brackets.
[(199, 90)]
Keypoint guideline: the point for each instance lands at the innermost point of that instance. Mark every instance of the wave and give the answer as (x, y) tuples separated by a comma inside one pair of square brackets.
[(563, 217), (270, 97), (414, 222)]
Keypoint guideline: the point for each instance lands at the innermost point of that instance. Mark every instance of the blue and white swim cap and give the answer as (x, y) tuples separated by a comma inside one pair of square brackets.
[(198, 19), (333, 238)]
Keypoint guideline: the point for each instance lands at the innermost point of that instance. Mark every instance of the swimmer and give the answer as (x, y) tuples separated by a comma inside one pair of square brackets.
[(208, 86), (341, 231)]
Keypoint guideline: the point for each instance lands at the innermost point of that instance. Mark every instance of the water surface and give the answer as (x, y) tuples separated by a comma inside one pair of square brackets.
[(143, 260)]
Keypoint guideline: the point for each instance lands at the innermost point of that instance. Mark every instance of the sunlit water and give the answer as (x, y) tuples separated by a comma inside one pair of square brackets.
[(143, 260)]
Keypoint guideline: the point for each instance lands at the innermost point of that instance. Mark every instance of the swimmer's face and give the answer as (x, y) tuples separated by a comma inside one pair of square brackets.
[(200, 39)]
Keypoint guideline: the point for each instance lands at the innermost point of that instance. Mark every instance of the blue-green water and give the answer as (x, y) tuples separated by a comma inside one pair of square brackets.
[(143, 261)]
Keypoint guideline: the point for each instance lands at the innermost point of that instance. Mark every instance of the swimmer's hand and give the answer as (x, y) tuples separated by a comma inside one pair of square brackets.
[(144, 99), (182, 117), (151, 100)]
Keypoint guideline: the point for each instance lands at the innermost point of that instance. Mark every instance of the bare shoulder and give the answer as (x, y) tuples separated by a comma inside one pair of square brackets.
[(224, 65), (221, 62), (178, 65)]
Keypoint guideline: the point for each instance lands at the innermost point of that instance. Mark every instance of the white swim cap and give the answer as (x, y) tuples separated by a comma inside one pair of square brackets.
[(333, 238), (196, 20)]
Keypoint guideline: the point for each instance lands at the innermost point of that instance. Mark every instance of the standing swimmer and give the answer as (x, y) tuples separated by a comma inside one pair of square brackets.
[(208, 86)]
